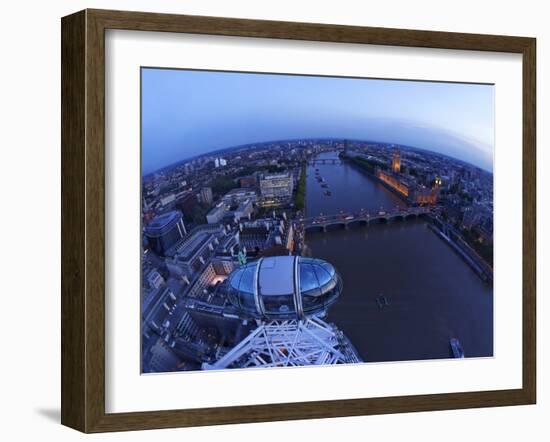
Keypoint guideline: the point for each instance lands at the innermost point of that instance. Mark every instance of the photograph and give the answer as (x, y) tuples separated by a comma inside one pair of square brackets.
[(292, 220)]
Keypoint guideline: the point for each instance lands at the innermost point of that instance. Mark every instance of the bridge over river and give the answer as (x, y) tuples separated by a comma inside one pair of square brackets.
[(363, 217), (324, 161)]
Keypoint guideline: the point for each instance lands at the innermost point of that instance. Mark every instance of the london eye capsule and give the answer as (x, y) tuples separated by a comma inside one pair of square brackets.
[(284, 287)]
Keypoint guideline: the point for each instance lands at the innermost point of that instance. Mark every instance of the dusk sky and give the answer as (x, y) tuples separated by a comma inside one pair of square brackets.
[(188, 113)]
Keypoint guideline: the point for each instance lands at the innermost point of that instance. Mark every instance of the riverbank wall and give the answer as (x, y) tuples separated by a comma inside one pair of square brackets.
[(476, 263)]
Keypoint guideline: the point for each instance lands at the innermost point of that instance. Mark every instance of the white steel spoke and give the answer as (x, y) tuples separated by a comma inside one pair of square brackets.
[(289, 343)]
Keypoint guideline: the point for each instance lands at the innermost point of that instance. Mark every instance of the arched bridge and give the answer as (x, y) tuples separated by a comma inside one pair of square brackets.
[(315, 162), (362, 217)]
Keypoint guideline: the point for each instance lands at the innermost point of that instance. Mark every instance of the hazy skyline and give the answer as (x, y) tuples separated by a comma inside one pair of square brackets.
[(189, 113)]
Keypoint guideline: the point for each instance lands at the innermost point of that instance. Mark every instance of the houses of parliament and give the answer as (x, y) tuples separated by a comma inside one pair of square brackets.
[(406, 186)]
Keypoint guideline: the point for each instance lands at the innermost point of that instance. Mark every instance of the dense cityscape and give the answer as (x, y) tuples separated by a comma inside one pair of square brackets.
[(212, 221)]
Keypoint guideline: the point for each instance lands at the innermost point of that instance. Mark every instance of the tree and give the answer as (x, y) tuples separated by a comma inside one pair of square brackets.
[(222, 185), (301, 192)]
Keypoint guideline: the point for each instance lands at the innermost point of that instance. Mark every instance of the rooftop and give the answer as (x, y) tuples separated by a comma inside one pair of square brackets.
[(218, 208), (193, 245), (272, 176), (239, 191), (161, 221)]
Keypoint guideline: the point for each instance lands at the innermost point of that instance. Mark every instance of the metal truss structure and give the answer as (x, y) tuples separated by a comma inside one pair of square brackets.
[(310, 341)]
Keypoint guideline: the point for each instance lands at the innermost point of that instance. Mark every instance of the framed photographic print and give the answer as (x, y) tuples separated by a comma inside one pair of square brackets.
[(269, 220)]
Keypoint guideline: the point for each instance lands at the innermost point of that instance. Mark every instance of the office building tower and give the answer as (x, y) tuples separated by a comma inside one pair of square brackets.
[(165, 231)]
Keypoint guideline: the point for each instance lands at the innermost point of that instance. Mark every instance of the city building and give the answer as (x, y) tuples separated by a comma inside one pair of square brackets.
[(254, 235), (393, 181), (154, 279), (424, 195), (217, 213), (205, 279), (267, 236), (236, 196), (159, 358), (243, 210), (220, 162), (200, 246), (165, 232), (223, 266), (475, 215), (276, 188), (229, 245), (206, 196), (215, 272), (167, 200), (157, 307), (406, 186)]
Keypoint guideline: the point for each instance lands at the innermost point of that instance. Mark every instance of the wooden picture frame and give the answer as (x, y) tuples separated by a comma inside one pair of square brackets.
[(83, 219)]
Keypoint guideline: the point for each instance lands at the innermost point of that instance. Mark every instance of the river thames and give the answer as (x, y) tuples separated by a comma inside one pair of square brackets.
[(432, 294)]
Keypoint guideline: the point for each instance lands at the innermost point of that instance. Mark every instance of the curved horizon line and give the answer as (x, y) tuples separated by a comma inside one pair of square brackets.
[(222, 149)]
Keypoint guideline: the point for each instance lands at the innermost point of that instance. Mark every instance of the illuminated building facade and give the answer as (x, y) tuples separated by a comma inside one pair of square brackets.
[(276, 188), (393, 181), (424, 196), (396, 161), (414, 193), (206, 279)]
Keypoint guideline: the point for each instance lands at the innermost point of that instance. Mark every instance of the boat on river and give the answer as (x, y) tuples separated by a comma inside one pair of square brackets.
[(382, 301), (456, 348)]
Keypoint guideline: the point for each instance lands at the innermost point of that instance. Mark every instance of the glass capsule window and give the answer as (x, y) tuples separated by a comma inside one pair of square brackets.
[(319, 286), (309, 284), (241, 288), (282, 305)]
